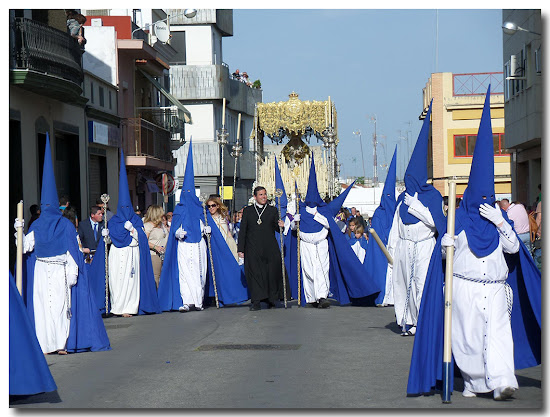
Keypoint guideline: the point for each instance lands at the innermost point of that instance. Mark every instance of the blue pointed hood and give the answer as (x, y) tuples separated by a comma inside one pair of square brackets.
[(481, 233), (49, 228), (189, 210), (124, 207), (416, 175), (279, 184), (312, 196), (124, 212)]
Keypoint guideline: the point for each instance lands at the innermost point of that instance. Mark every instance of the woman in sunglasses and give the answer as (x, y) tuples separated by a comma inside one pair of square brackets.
[(218, 211)]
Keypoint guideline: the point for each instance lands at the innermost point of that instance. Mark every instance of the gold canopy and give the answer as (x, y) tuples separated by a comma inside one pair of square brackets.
[(295, 116)]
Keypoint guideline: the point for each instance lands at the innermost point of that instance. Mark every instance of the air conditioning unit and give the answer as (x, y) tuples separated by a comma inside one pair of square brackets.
[(515, 69)]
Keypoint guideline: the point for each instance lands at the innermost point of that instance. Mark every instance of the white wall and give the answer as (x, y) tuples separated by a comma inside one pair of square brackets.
[(202, 129), (198, 44), (100, 57)]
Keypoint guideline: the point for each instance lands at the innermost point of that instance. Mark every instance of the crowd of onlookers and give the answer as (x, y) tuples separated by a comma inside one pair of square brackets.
[(243, 77)]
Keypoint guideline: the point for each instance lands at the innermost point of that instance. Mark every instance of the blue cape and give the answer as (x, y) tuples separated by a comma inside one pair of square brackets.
[(29, 372), (426, 369), (120, 237), (230, 281), (87, 331), (381, 222)]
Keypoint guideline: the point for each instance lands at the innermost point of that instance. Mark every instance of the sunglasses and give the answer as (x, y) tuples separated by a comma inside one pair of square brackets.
[(211, 205)]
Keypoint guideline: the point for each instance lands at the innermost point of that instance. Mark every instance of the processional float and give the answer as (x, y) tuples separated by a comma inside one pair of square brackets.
[(299, 122)]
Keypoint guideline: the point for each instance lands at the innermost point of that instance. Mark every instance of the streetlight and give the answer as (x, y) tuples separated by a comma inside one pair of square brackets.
[(510, 28), (358, 132), (189, 13)]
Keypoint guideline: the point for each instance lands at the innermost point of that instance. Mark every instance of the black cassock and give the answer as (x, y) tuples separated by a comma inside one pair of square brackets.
[(262, 258)]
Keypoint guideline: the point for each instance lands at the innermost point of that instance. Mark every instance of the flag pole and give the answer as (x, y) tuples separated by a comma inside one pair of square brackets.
[(447, 352), (19, 259)]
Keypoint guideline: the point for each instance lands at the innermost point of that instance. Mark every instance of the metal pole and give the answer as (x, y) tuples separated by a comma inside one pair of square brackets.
[(298, 245), (278, 194), (203, 200), (447, 353), (105, 198)]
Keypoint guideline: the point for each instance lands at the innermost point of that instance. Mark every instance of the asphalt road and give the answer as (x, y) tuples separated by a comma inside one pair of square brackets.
[(342, 357)]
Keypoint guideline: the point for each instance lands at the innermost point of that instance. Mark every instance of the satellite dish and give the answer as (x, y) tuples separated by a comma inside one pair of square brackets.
[(161, 31)]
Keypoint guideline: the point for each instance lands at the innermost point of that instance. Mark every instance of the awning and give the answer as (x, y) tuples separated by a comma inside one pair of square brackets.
[(184, 114)]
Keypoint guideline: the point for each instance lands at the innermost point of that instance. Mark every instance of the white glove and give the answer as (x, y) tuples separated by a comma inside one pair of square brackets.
[(493, 214), (297, 217), (447, 240), (128, 225), (104, 232), (19, 223), (409, 199), (207, 230), (180, 234)]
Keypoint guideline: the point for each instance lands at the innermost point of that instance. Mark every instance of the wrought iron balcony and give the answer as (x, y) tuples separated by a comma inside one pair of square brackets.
[(41, 48), (146, 139)]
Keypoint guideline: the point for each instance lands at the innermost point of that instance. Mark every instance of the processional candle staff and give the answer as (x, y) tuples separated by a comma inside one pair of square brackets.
[(19, 258), (236, 153), (105, 199), (222, 141)]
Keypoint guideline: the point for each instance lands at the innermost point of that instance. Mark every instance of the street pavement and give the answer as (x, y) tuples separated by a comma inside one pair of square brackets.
[(341, 357)]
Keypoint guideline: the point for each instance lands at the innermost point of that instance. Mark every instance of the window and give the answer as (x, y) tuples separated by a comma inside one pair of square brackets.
[(464, 145), (110, 101), (101, 97), (538, 60)]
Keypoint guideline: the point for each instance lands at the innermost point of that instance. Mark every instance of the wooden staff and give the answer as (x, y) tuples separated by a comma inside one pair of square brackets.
[(447, 353), (298, 244), (105, 198), (381, 244), (19, 259), (203, 200), (278, 194)]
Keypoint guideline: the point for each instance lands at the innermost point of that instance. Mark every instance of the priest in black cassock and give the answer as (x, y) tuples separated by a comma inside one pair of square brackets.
[(258, 245)]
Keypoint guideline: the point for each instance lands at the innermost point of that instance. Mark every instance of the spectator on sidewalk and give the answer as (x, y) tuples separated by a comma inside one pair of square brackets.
[(518, 214)]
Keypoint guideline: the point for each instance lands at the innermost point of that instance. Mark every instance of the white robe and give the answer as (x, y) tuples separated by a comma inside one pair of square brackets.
[(412, 246), (314, 257), (481, 339), (52, 297), (123, 285), (388, 295), (192, 264)]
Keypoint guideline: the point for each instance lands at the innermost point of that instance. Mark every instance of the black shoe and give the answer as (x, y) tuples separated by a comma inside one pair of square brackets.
[(323, 303), (271, 305), (314, 304), (255, 307)]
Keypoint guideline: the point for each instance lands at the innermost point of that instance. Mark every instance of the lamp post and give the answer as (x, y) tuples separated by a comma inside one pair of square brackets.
[(235, 153), (510, 28), (222, 135), (375, 158), (189, 13)]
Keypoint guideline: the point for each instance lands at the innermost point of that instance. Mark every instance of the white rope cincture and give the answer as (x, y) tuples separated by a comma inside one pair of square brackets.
[(67, 296)]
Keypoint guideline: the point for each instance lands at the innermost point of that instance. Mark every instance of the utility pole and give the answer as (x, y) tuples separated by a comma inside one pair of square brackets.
[(375, 161)]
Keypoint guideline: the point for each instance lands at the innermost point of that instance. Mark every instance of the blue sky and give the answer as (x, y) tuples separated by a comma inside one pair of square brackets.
[(370, 62)]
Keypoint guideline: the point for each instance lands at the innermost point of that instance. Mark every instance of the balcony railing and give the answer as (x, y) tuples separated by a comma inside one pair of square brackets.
[(142, 138), (475, 84), (39, 47)]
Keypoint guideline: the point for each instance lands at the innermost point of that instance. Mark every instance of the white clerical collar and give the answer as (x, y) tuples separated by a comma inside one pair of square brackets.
[(259, 205)]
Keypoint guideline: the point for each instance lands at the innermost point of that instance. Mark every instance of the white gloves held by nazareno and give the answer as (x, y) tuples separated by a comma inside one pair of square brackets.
[(447, 240), (493, 214), (105, 232), (180, 234), (128, 225), (410, 199), (296, 217), (18, 223), (207, 230)]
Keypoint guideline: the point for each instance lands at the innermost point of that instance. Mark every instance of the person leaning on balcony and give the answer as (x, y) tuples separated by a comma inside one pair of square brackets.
[(75, 26)]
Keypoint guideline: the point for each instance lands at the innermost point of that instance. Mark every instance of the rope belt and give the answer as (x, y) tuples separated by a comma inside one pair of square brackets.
[(507, 289), (67, 296)]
